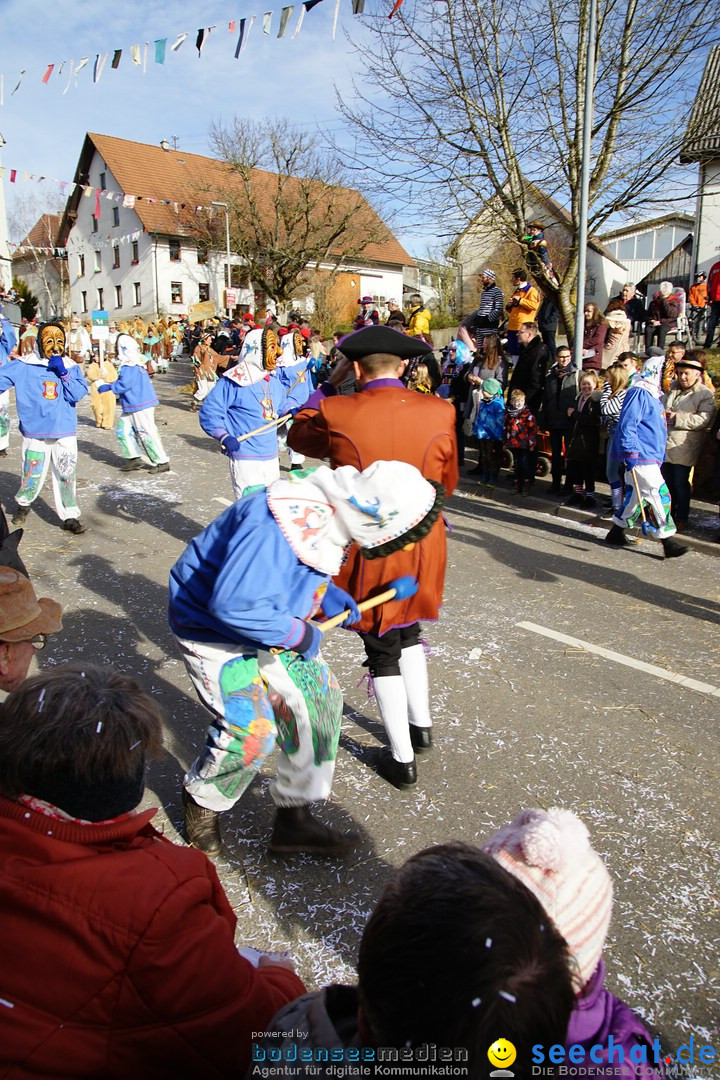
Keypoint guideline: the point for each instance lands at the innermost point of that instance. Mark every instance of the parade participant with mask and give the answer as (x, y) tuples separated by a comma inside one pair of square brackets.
[(137, 431), (241, 597), (293, 370), (47, 390), (250, 395), (8, 341)]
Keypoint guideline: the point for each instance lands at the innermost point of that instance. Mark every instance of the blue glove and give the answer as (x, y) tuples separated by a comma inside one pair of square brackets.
[(55, 364), (337, 600), (102, 388), (229, 444), (309, 647)]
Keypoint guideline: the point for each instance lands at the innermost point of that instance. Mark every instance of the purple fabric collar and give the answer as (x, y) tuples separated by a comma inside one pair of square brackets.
[(374, 383)]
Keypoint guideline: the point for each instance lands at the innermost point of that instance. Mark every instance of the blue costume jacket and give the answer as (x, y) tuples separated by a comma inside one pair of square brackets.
[(239, 581), (641, 433), (8, 339), (45, 403), (134, 389), (231, 409)]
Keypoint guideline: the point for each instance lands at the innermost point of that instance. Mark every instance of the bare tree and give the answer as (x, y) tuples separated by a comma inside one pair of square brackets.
[(33, 223), (290, 211), (470, 102)]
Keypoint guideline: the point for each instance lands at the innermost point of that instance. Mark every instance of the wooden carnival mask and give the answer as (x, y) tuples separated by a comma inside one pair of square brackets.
[(270, 349), (51, 340)]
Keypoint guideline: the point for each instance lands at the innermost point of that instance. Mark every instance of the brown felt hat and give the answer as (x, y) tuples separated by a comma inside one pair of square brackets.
[(22, 614), (690, 361)]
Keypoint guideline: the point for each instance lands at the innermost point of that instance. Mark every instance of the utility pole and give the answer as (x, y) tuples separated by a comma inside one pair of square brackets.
[(224, 205), (5, 260), (585, 184)]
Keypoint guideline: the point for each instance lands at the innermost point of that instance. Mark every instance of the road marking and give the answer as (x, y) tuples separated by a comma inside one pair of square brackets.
[(620, 658), (223, 502)]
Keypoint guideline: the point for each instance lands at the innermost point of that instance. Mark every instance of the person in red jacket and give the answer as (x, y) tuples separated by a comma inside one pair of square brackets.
[(118, 946), (713, 299), (386, 421)]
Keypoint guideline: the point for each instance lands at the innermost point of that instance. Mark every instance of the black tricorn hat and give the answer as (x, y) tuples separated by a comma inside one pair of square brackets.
[(382, 339)]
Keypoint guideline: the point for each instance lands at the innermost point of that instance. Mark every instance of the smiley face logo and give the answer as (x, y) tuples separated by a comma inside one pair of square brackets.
[(502, 1054)]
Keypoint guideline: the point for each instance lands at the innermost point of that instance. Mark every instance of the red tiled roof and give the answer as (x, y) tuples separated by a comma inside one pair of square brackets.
[(192, 179), (44, 232)]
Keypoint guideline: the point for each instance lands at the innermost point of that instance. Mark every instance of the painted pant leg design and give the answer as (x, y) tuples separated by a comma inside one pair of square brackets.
[(242, 732), (147, 435), (307, 701), (63, 459), (248, 472), (125, 432), (36, 462), (654, 495), (4, 420)]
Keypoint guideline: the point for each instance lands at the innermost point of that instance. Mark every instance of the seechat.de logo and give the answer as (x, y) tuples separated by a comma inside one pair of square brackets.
[(501, 1054)]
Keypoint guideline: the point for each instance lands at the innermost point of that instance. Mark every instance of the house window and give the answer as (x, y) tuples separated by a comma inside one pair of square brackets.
[(644, 248), (203, 291), (176, 292), (202, 256), (118, 296), (116, 256), (100, 299), (135, 253), (98, 262), (136, 293), (81, 266), (174, 246), (116, 216), (84, 300), (103, 185), (626, 248)]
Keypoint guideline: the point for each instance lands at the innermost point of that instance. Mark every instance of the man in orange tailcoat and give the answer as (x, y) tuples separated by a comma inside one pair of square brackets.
[(386, 422)]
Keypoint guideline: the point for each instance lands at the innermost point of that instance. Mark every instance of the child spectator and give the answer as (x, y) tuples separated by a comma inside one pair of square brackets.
[(611, 399), (420, 380), (456, 952), (488, 430), (538, 245), (550, 852), (583, 442), (133, 934), (520, 437)]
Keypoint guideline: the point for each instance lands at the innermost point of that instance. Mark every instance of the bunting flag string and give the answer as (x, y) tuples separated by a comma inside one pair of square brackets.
[(78, 247), (139, 51)]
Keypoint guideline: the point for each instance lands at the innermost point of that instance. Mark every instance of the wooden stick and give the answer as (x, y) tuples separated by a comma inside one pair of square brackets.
[(639, 499), (265, 427), (364, 605)]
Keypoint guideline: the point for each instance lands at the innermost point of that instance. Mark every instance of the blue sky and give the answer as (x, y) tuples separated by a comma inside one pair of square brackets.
[(44, 127)]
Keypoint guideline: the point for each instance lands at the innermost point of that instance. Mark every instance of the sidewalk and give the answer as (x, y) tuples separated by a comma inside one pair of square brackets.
[(701, 534)]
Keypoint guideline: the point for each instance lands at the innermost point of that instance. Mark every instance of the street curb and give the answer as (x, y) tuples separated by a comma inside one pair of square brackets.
[(572, 513)]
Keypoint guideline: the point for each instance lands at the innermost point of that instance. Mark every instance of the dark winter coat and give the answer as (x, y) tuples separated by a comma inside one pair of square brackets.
[(583, 442), (529, 373), (559, 394)]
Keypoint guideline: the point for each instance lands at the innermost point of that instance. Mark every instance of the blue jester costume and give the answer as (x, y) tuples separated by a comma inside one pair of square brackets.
[(241, 599)]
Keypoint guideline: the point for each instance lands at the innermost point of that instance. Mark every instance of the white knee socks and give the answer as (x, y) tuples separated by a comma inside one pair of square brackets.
[(413, 668), (393, 705)]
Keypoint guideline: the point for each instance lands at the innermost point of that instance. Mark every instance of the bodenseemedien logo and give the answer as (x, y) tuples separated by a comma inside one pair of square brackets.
[(501, 1054)]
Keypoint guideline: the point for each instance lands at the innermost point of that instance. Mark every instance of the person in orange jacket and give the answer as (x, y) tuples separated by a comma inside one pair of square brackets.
[(522, 307)]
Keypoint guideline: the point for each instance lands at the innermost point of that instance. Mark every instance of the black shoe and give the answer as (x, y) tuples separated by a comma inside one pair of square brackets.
[(590, 501), (131, 464), (401, 774), (297, 467), (3, 453), (164, 466), (576, 500), (421, 738), (74, 525), (555, 489), (202, 826), (673, 549), (616, 536), (20, 514), (296, 831)]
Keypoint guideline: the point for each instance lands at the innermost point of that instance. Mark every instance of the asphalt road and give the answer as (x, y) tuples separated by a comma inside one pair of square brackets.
[(521, 719)]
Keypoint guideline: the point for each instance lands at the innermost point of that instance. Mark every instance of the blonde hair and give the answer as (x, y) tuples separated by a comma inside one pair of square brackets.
[(617, 377), (420, 380), (591, 375), (516, 397)]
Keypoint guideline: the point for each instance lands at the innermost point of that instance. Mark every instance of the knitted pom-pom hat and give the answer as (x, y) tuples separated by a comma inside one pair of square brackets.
[(550, 852)]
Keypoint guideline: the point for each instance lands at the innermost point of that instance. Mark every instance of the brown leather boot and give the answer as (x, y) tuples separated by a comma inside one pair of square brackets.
[(202, 826), (297, 831)]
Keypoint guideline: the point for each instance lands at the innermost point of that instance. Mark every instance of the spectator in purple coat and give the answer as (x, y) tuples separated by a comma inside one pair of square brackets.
[(594, 334), (550, 852)]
